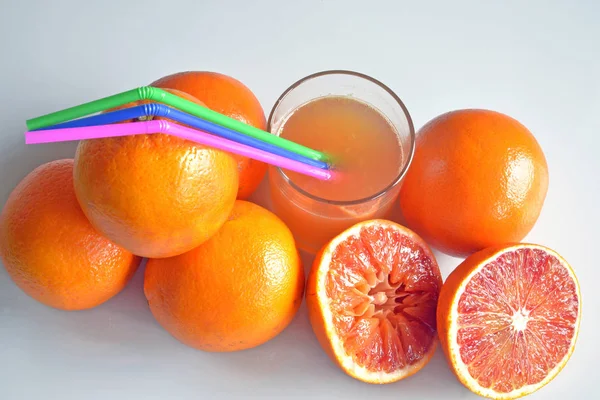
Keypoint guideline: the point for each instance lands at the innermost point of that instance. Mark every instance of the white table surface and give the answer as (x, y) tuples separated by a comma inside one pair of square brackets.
[(538, 61)]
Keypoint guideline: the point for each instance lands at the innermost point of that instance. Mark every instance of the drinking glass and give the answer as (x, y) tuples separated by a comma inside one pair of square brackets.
[(313, 220)]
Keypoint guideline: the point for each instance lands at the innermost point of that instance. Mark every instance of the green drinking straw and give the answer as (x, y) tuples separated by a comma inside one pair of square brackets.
[(162, 96)]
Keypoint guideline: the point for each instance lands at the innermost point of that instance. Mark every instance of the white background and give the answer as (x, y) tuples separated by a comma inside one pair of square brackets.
[(538, 61)]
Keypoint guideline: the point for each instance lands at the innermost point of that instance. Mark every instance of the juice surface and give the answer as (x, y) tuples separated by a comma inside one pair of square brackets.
[(364, 145)]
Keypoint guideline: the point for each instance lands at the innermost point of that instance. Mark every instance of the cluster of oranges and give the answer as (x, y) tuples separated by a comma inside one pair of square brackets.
[(224, 274), (507, 317)]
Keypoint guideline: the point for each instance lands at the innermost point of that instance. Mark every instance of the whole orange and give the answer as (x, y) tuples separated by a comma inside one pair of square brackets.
[(156, 195), (478, 178), (50, 249), (236, 291), (230, 97)]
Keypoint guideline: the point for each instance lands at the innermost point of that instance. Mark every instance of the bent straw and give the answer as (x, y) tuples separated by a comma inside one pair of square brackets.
[(162, 96), (162, 126), (160, 110)]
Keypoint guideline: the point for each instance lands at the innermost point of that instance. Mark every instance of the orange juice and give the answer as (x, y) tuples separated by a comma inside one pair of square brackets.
[(368, 136), (363, 143)]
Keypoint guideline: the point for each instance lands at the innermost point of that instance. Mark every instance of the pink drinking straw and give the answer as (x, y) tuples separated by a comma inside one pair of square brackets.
[(162, 126)]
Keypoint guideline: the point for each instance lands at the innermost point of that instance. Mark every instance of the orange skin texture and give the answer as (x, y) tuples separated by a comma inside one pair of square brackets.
[(478, 178), (156, 195), (236, 291), (230, 97), (51, 251)]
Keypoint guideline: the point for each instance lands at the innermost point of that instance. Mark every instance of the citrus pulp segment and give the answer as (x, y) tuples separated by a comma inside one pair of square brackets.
[(372, 296), (508, 319)]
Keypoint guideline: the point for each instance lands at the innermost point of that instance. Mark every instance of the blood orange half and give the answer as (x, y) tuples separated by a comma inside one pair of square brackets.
[(508, 319), (372, 295)]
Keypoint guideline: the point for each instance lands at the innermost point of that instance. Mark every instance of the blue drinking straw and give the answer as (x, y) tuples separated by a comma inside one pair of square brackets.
[(161, 110)]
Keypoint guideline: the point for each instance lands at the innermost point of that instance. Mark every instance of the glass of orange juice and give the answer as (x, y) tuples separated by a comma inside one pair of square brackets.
[(368, 133)]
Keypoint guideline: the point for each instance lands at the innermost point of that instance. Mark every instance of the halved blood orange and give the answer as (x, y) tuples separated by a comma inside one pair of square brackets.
[(372, 295), (508, 319)]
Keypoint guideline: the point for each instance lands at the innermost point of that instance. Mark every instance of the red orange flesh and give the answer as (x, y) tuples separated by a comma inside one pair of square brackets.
[(508, 319), (372, 295)]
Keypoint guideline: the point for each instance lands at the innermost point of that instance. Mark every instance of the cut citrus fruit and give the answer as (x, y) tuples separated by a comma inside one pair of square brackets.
[(508, 319), (372, 295)]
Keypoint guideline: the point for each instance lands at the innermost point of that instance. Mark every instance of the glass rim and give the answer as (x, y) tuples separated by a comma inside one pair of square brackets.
[(412, 136)]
